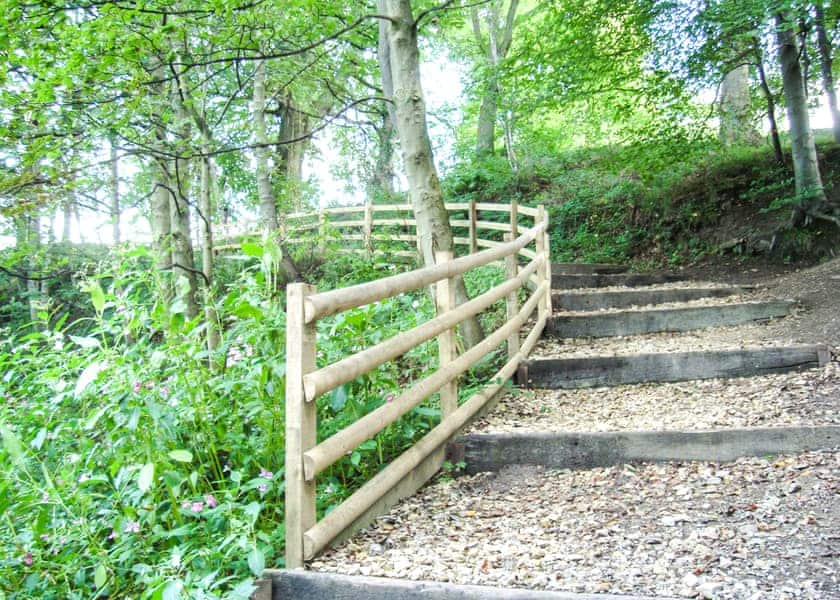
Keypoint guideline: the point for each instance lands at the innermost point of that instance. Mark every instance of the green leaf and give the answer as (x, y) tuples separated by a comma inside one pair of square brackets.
[(97, 296), (88, 376), (355, 458), (85, 342), (252, 249), (338, 398), (100, 576), (184, 456), (12, 445), (256, 562), (146, 476)]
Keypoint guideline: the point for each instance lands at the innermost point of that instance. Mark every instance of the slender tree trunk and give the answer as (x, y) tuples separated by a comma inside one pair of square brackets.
[(771, 111), (267, 200), (67, 211), (827, 66), (735, 107), (809, 186), (433, 230), (206, 210), (31, 237), (384, 176), (115, 195), (499, 37)]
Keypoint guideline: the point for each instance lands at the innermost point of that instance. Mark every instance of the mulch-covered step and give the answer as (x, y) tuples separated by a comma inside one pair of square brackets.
[(601, 300), (635, 322), (567, 268), (595, 280), (759, 527)]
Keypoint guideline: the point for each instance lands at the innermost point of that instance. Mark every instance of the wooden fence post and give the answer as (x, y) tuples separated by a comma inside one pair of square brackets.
[(369, 225), (445, 300), (512, 302), (514, 218), (473, 216), (300, 422), (547, 243), (542, 310)]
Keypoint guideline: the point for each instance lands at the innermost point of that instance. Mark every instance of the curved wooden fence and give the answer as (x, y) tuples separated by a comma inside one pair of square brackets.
[(305, 458)]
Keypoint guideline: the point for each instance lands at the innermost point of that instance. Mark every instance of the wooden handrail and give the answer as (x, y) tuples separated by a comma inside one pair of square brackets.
[(305, 458)]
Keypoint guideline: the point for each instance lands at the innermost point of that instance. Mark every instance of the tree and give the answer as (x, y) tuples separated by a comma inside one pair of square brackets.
[(499, 38), (809, 186), (433, 230), (825, 48)]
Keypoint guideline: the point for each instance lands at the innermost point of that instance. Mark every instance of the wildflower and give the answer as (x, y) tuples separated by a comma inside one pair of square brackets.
[(113, 535), (266, 474), (83, 477), (137, 386), (211, 501), (45, 536), (28, 558), (197, 507), (164, 390), (185, 504), (263, 488), (45, 496), (132, 527), (389, 398), (150, 385), (176, 560)]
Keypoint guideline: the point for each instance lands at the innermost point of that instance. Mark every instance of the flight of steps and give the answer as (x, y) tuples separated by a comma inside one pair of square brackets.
[(619, 344)]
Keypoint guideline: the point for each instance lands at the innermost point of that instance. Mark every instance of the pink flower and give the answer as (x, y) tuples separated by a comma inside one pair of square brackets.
[(197, 507), (28, 558), (263, 488), (113, 535), (211, 501), (389, 398), (132, 527), (45, 536), (266, 474), (137, 386), (185, 504), (164, 390)]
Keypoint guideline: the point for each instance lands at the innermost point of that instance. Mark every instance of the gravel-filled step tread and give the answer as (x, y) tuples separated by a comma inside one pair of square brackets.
[(564, 281), (672, 366), (589, 301), (637, 322), (566, 268)]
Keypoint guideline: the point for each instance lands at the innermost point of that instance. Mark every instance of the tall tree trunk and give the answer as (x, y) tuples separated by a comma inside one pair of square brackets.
[(771, 110), (67, 211), (115, 195), (267, 200), (160, 220), (735, 107), (809, 186), (499, 37), (206, 210), (384, 176), (291, 149), (31, 238), (433, 229), (827, 65)]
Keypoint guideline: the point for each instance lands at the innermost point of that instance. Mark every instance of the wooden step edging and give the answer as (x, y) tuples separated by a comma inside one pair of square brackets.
[(568, 450), (637, 322), (587, 268), (584, 301), (309, 585), (563, 281), (570, 373)]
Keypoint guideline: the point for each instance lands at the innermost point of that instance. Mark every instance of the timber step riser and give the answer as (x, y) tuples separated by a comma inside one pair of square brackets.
[(587, 269), (565, 450), (571, 373), (561, 281), (665, 320), (300, 584), (588, 301)]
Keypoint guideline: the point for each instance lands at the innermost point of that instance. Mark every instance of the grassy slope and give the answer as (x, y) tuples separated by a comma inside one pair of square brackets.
[(653, 205)]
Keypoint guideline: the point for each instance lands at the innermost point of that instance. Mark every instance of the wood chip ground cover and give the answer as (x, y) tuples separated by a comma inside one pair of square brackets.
[(699, 303), (800, 398), (758, 528)]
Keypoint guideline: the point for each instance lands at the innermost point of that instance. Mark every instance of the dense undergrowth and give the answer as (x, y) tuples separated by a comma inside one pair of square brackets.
[(138, 464), (668, 203)]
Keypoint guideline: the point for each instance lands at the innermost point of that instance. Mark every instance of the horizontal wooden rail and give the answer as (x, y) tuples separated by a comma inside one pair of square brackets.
[(305, 457), (330, 377), (328, 303)]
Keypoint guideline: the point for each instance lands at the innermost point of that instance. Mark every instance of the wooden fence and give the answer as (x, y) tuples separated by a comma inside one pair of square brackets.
[(305, 458)]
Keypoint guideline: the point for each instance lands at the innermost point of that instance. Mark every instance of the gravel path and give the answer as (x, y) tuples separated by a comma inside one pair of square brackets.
[(804, 398), (700, 302), (754, 529)]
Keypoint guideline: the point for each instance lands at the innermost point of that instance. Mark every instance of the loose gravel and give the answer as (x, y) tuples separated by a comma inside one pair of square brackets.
[(799, 398), (758, 528), (699, 303)]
